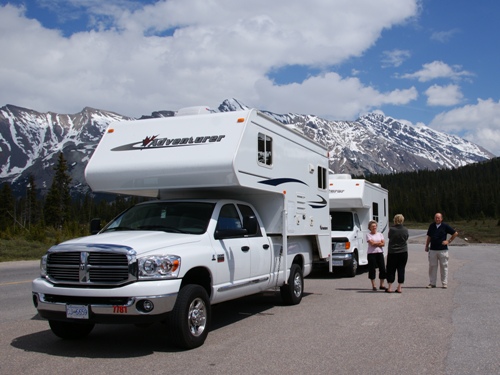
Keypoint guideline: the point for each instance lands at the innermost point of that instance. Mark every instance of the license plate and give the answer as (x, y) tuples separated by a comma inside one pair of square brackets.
[(77, 311), (337, 262)]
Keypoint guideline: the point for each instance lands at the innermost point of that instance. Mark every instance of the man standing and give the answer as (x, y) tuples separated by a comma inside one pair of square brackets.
[(438, 254)]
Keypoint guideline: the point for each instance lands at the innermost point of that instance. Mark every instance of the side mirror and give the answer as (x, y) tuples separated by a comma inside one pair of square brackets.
[(221, 234), (95, 226)]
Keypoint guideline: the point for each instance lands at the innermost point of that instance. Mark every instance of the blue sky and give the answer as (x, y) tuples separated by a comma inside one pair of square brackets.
[(424, 62)]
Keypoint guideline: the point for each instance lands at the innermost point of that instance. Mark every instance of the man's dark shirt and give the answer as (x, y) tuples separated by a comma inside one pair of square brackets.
[(438, 235)]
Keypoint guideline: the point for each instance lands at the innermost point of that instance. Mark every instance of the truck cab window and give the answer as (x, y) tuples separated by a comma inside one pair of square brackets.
[(229, 218), (253, 230), (341, 221)]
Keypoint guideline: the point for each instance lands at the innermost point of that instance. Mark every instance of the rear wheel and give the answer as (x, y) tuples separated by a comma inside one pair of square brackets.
[(293, 291), (70, 330), (190, 319)]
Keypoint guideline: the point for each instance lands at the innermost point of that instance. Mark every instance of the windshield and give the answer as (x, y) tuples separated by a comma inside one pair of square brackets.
[(342, 221), (175, 217)]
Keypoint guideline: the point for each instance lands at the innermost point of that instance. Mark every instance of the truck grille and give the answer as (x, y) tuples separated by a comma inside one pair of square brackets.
[(94, 267)]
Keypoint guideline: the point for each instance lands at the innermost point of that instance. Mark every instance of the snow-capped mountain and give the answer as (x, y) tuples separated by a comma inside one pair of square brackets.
[(30, 142)]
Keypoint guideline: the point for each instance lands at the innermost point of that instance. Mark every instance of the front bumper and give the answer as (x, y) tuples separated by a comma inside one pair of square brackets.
[(116, 305), (342, 259)]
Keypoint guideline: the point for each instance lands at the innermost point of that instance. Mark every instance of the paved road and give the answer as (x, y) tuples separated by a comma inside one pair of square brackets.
[(340, 327)]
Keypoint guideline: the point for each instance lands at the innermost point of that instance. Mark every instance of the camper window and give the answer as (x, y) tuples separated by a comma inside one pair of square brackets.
[(375, 211), (265, 149), (322, 178)]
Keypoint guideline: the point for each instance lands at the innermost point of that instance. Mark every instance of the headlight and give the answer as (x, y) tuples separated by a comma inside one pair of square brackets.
[(43, 266), (341, 246), (159, 267)]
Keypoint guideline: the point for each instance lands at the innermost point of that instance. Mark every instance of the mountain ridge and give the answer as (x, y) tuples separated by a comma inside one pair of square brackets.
[(30, 142)]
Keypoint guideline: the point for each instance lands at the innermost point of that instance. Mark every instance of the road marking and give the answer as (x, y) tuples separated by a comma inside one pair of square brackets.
[(16, 282)]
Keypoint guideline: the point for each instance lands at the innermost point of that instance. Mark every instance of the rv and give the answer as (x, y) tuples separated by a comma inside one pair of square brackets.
[(353, 204), (240, 206)]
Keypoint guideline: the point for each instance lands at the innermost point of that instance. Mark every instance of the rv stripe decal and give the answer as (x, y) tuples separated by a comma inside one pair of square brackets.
[(318, 204), (279, 181)]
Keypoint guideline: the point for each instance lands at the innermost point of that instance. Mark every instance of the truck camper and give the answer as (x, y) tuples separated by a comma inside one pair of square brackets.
[(353, 204), (242, 208)]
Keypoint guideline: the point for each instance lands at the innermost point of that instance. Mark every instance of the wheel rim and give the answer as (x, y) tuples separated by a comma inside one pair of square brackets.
[(197, 317), (297, 285)]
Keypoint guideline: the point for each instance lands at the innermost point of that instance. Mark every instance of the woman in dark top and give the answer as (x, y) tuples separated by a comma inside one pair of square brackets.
[(397, 254)]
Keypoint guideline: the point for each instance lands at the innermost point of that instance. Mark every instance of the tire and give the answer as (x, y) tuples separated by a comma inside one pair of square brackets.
[(190, 319), (293, 291), (70, 330), (352, 270)]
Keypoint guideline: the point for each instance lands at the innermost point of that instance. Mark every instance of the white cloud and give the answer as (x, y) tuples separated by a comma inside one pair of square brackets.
[(444, 95), (479, 123), (444, 36), (395, 57), (177, 53), (345, 97), (438, 69)]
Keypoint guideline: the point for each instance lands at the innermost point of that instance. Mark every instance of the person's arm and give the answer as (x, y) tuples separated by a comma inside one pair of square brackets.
[(453, 236), (427, 243)]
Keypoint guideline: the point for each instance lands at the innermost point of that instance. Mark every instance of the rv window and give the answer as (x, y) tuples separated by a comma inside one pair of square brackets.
[(322, 178), (375, 211), (265, 149)]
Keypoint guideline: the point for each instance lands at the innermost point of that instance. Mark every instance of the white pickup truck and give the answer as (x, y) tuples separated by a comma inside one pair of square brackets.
[(234, 190)]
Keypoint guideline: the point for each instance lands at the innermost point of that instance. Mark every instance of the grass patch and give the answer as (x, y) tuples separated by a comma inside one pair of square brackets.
[(28, 247), (21, 249)]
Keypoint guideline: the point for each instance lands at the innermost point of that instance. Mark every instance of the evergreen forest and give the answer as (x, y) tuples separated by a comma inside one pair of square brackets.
[(466, 193)]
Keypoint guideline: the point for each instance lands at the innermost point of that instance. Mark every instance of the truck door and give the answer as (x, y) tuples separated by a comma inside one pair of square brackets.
[(233, 249), (260, 247)]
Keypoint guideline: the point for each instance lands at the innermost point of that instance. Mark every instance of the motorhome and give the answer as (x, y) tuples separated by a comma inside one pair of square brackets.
[(353, 204), (240, 206)]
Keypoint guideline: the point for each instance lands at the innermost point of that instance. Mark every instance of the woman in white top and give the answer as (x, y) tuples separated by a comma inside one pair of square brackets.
[(376, 259)]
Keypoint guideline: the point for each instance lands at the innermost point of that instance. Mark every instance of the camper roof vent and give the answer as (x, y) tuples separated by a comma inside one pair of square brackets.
[(198, 110)]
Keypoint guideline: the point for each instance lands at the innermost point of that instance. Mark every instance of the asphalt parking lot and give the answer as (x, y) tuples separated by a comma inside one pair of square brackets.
[(341, 327)]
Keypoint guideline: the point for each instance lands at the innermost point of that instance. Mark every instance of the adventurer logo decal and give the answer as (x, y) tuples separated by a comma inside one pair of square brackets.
[(152, 142)]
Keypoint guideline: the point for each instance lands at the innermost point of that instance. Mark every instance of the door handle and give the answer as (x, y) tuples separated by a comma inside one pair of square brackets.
[(245, 248), (265, 246)]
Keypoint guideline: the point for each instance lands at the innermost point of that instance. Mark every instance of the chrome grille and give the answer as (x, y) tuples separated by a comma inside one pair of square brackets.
[(91, 267)]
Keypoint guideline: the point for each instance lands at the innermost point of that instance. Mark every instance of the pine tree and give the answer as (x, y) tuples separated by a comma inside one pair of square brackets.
[(58, 202), (7, 207), (32, 206)]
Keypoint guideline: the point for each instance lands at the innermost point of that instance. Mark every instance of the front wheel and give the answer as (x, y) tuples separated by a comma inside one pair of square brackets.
[(70, 330), (293, 291), (190, 319), (353, 268)]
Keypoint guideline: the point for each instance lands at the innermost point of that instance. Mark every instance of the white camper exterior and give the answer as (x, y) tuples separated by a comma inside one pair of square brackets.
[(234, 190), (353, 203)]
